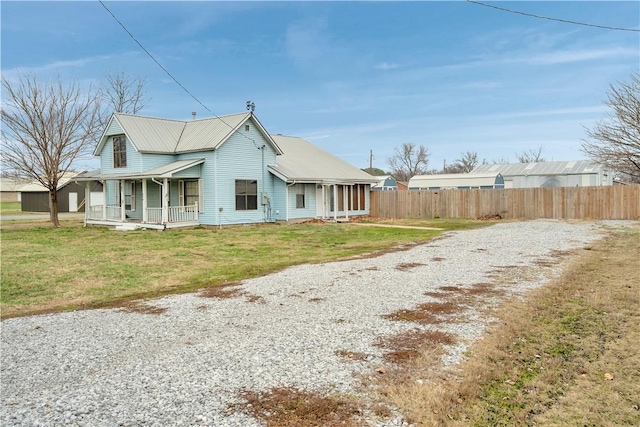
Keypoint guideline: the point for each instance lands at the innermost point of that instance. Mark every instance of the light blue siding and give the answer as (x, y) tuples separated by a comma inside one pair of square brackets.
[(134, 159), (309, 210), (114, 128), (278, 207), (150, 161), (209, 209), (240, 158)]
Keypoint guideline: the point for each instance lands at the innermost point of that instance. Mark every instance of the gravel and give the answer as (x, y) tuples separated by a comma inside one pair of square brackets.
[(187, 365)]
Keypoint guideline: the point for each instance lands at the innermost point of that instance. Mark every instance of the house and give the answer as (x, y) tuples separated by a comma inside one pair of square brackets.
[(580, 173), (462, 181), (385, 183), (161, 173), (70, 195), (10, 189)]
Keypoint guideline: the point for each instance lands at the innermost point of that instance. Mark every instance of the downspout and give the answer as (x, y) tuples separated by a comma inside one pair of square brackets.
[(286, 200)]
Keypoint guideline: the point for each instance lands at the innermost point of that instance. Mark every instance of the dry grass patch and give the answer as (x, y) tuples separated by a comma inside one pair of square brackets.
[(256, 298), (228, 290), (352, 355), (289, 407), (141, 307), (411, 345), (405, 266), (567, 355)]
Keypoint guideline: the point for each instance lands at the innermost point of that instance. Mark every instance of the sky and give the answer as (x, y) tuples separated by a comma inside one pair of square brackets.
[(351, 77)]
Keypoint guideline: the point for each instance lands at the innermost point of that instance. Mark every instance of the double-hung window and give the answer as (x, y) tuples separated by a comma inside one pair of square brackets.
[(189, 193), (119, 151), (300, 196), (246, 195)]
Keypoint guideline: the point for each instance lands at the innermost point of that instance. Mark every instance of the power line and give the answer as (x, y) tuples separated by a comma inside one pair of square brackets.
[(173, 78), (566, 21), (152, 57)]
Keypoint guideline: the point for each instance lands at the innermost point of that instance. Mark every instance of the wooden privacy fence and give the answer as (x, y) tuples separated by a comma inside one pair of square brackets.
[(611, 202)]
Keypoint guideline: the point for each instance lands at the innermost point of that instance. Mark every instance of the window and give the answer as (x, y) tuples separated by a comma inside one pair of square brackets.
[(119, 152), (190, 192), (246, 195), (246, 128), (300, 196)]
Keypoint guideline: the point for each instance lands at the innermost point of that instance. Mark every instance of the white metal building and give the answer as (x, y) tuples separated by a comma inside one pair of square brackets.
[(581, 173), (463, 181)]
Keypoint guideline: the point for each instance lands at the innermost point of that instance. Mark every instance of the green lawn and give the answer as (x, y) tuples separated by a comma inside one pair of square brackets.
[(10, 208), (49, 269)]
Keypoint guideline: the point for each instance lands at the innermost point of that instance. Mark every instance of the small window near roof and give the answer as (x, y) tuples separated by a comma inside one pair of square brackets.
[(246, 128)]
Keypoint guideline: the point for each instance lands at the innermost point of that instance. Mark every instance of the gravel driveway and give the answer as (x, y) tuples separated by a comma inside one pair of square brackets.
[(187, 364)]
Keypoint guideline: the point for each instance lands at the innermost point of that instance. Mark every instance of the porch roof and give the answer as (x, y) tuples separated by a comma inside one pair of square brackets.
[(303, 162), (164, 171)]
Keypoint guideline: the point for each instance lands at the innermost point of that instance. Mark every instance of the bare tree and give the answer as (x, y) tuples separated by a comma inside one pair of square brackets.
[(531, 156), (45, 128), (467, 162), (124, 94), (615, 140), (409, 161)]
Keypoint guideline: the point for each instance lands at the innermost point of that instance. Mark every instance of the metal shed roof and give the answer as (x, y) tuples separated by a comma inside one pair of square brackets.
[(453, 180), (302, 161), (542, 168)]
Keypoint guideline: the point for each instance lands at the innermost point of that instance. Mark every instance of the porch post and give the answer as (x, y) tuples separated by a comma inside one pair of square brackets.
[(324, 202), (346, 193), (144, 200), (335, 202), (87, 202), (165, 201), (104, 200), (123, 212)]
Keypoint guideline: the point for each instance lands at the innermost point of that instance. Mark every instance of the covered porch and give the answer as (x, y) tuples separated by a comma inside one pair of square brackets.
[(168, 196)]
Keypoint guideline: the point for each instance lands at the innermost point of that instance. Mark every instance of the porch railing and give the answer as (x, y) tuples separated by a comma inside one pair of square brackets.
[(95, 212), (154, 215), (183, 213), (113, 212)]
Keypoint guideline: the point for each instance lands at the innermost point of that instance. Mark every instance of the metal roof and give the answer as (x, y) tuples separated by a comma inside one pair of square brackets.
[(302, 161), (164, 171), (453, 180), (37, 187), (156, 135), (542, 168)]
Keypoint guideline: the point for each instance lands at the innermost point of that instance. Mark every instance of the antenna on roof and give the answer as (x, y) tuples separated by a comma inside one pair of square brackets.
[(251, 106)]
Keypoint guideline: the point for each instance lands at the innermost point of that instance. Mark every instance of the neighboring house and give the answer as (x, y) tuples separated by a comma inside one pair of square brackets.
[(580, 173), (385, 183), (71, 195), (161, 173), (462, 181), (10, 189)]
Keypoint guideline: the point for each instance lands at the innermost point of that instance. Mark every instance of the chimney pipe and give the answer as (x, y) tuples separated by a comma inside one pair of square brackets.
[(193, 115)]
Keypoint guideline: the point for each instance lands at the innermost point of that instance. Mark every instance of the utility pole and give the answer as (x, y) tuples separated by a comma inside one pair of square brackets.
[(371, 162)]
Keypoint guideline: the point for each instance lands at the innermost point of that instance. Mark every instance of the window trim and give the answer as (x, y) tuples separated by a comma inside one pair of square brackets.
[(246, 195)]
